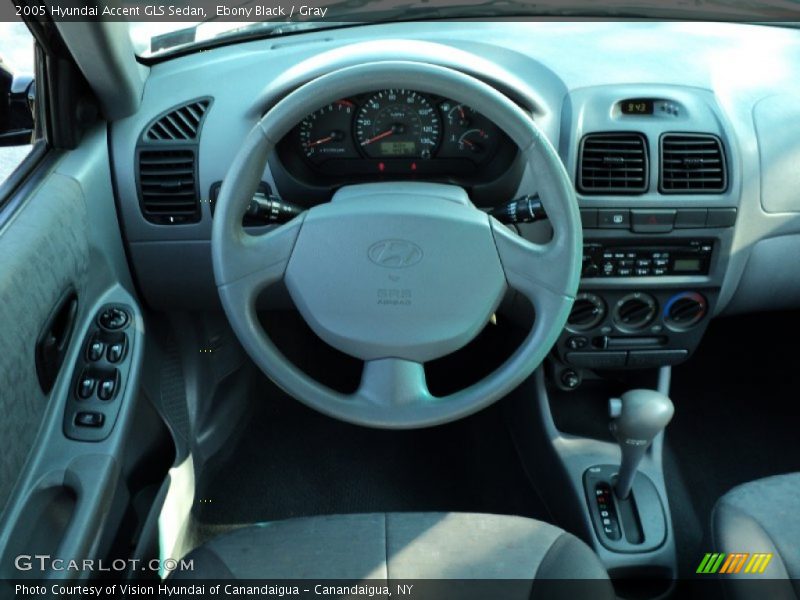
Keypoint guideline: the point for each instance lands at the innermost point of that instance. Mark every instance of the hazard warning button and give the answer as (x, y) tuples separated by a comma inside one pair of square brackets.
[(653, 221)]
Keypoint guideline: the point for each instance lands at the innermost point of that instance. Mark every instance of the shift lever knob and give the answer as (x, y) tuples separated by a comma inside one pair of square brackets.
[(637, 418)]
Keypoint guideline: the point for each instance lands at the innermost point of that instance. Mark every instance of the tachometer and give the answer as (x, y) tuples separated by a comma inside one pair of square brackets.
[(325, 133), (398, 124)]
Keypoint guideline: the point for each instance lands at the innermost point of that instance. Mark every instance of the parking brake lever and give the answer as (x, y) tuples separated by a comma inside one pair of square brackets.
[(525, 209)]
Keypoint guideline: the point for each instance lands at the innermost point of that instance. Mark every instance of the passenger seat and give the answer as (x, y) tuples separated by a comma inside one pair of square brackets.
[(761, 516)]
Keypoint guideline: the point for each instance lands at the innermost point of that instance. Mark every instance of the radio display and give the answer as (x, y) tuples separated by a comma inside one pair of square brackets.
[(637, 106), (687, 265)]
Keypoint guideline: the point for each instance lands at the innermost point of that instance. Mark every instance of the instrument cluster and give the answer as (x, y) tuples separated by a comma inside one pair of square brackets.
[(397, 133)]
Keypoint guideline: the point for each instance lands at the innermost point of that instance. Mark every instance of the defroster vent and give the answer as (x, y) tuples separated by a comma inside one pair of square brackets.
[(180, 124)]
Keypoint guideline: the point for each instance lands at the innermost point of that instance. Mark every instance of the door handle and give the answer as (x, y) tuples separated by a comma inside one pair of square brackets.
[(53, 341)]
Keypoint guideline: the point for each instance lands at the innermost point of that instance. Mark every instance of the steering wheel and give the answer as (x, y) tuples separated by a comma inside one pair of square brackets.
[(397, 273)]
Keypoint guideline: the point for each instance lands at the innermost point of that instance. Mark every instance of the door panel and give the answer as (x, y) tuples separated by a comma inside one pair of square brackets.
[(66, 495), (44, 253)]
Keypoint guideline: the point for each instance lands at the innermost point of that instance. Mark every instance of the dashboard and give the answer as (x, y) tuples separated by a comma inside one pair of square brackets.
[(678, 150)]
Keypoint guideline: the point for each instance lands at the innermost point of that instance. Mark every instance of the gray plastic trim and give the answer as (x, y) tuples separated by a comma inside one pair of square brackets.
[(104, 53)]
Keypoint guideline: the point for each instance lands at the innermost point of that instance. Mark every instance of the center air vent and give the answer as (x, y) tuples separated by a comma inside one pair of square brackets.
[(168, 187), (180, 124), (692, 163), (613, 163)]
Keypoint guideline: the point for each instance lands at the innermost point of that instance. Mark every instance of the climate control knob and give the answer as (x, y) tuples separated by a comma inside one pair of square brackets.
[(587, 312), (635, 311), (685, 310)]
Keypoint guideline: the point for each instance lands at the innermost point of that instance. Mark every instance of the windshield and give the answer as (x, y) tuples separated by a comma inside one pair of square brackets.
[(202, 23)]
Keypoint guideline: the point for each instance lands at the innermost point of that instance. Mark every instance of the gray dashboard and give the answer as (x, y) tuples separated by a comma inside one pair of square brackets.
[(735, 82)]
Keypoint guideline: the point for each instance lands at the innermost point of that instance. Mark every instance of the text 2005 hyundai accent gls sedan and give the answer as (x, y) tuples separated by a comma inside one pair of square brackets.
[(425, 301)]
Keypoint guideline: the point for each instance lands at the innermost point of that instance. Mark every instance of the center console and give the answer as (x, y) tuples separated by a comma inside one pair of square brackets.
[(658, 190)]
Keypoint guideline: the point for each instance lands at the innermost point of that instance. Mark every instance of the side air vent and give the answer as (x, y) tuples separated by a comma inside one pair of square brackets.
[(167, 183), (613, 163), (181, 124), (692, 164)]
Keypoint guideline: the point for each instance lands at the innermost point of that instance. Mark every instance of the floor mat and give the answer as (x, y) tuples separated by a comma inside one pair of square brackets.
[(736, 419), (292, 461)]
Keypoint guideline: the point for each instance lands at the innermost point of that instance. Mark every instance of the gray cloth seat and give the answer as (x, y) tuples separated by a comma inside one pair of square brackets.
[(453, 546), (762, 516)]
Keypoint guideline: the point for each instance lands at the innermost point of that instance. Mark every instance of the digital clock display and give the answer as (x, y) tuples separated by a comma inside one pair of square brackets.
[(637, 106)]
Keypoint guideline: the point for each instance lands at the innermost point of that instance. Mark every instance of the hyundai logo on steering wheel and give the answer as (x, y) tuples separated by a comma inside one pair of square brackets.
[(394, 254)]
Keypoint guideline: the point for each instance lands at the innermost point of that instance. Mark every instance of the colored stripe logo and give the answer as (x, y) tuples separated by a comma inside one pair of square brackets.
[(733, 563)]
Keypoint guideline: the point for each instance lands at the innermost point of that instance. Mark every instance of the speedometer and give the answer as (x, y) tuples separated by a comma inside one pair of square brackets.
[(398, 124)]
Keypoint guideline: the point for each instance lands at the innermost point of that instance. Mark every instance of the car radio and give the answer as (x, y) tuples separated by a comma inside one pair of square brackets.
[(689, 258)]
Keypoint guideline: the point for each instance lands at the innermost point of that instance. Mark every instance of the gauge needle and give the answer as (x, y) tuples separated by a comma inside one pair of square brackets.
[(322, 141), (334, 136), (380, 136)]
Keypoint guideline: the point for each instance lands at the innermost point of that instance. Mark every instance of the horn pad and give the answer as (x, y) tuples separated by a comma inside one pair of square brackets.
[(396, 270)]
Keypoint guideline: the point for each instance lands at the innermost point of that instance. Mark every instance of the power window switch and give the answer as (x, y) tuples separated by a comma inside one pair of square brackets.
[(89, 419), (116, 351), (86, 387), (96, 350), (107, 389)]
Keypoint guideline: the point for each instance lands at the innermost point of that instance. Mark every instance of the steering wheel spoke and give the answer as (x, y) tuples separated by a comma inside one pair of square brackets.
[(256, 261), (393, 382), (533, 269)]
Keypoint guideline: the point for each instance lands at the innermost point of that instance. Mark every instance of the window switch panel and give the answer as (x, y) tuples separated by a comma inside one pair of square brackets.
[(100, 374)]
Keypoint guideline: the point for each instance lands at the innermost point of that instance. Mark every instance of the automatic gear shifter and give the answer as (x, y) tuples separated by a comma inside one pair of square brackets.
[(637, 418)]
